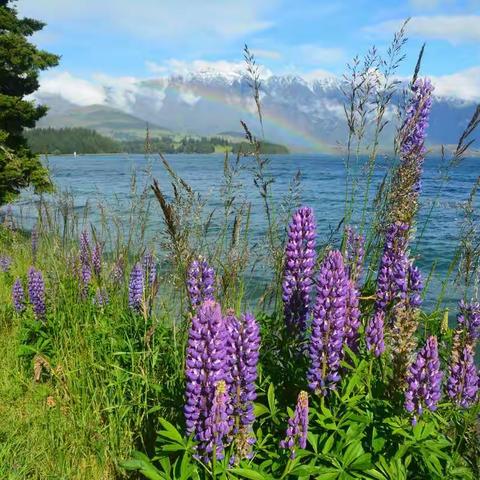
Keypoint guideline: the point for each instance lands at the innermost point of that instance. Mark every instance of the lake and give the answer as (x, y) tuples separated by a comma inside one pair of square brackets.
[(107, 177)]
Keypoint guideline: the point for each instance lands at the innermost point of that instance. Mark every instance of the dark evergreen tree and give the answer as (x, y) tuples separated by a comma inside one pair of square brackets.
[(20, 64)]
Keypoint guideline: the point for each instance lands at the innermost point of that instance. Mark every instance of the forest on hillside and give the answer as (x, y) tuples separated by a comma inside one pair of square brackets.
[(87, 141)]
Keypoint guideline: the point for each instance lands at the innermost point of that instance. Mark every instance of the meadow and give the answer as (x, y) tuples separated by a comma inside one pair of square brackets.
[(131, 357)]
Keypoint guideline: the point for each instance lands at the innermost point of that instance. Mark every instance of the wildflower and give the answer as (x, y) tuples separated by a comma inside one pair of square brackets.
[(5, 263), (354, 253), (85, 264), (243, 351), (200, 282), (297, 430), (97, 259), (462, 383), (18, 296), (352, 317), (299, 268), (101, 297), (329, 317), (118, 271), (424, 380), (36, 292), (206, 365), (469, 319), (136, 288), (150, 268), (374, 333)]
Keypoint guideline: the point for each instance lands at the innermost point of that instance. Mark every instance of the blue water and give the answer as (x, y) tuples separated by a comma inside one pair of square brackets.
[(107, 178)]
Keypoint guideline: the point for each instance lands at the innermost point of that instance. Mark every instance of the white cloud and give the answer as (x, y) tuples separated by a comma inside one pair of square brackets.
[(73, 89), (316, 54), (269, 54), (453, 28), (159, 19), (464, 84)]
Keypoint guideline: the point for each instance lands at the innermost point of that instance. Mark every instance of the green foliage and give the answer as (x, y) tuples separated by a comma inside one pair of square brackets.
[(21, 63), (265, 148), (69, 140)]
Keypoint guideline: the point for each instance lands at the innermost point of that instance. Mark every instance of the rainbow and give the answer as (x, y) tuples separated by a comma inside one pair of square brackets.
[(274, 119)]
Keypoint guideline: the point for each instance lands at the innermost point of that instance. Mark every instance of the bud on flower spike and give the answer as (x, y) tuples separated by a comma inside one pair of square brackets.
[(297, 430)]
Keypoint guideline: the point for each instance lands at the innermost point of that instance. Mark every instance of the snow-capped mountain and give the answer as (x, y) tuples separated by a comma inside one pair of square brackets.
[(302, 114)]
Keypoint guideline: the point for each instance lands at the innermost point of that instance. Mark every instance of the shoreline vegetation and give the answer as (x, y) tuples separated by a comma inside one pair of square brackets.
[(87, 141), (126, 357)]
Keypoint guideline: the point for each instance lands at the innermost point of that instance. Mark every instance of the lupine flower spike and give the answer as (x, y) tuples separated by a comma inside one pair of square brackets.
[(299, 269), (36, 292), (207, 366), (136, 288), (424, 381), (18, 296), (328, 325), (297, 430), (200, 282)]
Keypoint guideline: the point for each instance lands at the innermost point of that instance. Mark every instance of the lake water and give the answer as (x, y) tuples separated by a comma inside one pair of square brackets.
[(108, 177)]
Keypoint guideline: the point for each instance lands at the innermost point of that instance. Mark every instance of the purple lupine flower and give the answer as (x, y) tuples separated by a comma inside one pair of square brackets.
[(355, 253), (416, 119), (415, 286), (297, 430), (217, 425), (243, 352), (329, 317), (299, 269), (469, 319), (392, 273), (118, 271), (85, 263), (207, 364), (374, 333), (424, 380), (200, 282), (101, 297), (18, 296), (150, 268), (34, 242), (5, 263), (36, 292), (462, 384), (97, 259), (136, 288), (352, 317)]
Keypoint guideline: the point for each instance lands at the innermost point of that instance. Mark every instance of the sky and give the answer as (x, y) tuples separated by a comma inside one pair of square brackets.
[(126, 40)]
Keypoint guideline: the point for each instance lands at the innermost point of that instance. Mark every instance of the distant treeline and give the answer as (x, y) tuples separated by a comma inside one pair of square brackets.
[(84, 140)]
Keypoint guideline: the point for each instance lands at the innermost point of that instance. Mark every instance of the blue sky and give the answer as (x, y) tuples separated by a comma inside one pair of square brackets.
[(145, 38)]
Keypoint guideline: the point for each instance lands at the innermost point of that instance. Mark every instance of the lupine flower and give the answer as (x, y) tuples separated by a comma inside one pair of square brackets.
[(424, 380), (415, 286), (299, 269), (5, 263), (392, 273), (136, 288), (34, 242), (217, 423), (355, 252), (150, 268), (207, 364), (243, 352), (374, 333), (97, 259), (462, 384), (118, 271), (101, 297), (200, 282), (36, 292), (469, 319), (18, 296), (406, 182), (85, 263), (297, 430), (329, 317), (352, 317)]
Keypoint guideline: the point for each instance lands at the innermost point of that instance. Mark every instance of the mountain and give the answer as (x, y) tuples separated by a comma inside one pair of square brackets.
[(304, 115)]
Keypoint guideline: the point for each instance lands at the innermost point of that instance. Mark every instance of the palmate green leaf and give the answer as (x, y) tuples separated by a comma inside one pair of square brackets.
[(272, 402), (171, 432), (327, 446), (353, 452), (259, 409), (141, 463), (249, 473)]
